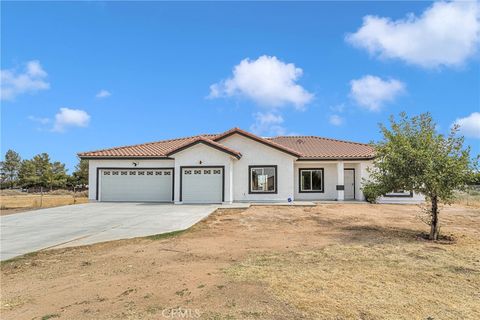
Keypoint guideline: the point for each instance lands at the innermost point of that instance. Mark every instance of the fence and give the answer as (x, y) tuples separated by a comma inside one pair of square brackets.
[(41, 200)]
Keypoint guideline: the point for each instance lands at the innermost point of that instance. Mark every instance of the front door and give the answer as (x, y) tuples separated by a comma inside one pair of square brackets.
[(349, 181)]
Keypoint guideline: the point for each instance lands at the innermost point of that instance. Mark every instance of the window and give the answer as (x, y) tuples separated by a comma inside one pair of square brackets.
[(400, 193), (167, 173), (311, 180), (123, 173), (197, 171), (263, 179), (216, 171), (207, 172), (132, 173)]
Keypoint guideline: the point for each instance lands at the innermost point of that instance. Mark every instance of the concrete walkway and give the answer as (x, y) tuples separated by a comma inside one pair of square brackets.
[(91, 223)]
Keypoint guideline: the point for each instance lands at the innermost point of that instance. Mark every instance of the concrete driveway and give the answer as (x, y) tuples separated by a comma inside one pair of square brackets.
[(92, 222)]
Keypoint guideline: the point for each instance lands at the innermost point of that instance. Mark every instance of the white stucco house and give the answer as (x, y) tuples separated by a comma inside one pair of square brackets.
[(234, 166)]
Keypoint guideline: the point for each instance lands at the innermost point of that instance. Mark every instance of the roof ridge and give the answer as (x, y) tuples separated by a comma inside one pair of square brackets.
[(208, 141), (261, 139), (322, 138), (147, 143)]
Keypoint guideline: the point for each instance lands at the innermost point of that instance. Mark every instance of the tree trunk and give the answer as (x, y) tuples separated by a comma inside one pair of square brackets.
[(434, 228)]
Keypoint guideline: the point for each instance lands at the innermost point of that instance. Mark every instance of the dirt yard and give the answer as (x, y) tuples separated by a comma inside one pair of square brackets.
[(333, 261)]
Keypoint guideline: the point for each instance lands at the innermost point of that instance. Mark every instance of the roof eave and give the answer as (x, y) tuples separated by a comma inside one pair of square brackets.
[(266, 142), (335, 158), (99, 157), (237, 155)]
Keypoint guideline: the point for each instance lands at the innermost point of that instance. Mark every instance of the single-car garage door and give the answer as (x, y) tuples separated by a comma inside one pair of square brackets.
[(144, 184), (202, 185)]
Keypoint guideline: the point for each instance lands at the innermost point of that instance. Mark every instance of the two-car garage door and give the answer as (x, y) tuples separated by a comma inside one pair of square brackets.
[(136, 185), (197, 184)]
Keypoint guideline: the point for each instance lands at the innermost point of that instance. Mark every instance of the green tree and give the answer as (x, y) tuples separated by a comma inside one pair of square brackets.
[(43, 169), (27, 175), (412, 156), (80, 174), (58, 177), (9, 169)]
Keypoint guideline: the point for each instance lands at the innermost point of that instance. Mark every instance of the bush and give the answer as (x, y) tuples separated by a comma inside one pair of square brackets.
[(372, 191)]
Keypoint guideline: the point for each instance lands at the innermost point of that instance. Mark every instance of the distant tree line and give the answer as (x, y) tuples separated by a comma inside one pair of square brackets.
[(40, 172)]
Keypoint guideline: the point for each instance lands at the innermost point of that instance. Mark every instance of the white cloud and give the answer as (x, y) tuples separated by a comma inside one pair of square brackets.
[(447, 33), (40, 120), (70, 118), (267, 81), (103, 94), (470, 126), (372, 92), (30, 81), (268, 123), (336, 120)]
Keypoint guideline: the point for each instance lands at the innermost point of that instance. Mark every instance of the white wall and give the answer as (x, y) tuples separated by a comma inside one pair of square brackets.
[(255, 153), (416, 198), (93, 164), (208, 156), (329, 181)]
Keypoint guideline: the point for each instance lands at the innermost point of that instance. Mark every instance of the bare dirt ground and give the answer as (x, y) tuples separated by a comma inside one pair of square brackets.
[(333, 261)]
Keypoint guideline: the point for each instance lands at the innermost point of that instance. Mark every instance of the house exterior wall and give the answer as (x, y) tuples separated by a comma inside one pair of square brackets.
[(361, 173), (202, 155), (329, 181), (237, 175), (415, 198), (255, 153), (93, 164)]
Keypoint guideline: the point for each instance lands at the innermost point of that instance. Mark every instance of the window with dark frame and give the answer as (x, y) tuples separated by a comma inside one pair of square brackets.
[(399, 193), (311, 180), (263, 179)]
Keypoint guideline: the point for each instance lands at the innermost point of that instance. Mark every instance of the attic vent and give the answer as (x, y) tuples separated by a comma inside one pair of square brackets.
[(300, 141)]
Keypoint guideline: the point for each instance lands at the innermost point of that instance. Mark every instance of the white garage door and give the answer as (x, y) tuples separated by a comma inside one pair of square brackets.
[(202, 185), (136, 184)]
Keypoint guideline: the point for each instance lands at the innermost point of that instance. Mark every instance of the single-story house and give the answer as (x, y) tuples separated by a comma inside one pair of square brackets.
[(234, 166)]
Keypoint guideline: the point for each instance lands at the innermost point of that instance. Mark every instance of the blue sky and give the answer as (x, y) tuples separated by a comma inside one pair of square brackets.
[(88, 75)]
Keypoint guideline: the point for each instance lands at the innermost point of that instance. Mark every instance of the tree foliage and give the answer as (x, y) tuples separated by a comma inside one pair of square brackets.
[(9, 169), (80, 174), (413, 156), (41, 172)]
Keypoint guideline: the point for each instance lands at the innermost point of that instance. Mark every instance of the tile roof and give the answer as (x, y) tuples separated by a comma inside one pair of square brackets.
[(303, 147), (157, 149), (207, 141), (258, 139), (312, 147)]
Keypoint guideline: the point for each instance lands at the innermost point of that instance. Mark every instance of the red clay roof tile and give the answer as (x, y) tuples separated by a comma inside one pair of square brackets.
[(312, 147), (303, 147)]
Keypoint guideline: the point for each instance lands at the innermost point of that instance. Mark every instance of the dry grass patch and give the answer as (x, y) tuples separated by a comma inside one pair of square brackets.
[(16, 203), (333, 261), (382, 281), (469, 197)]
